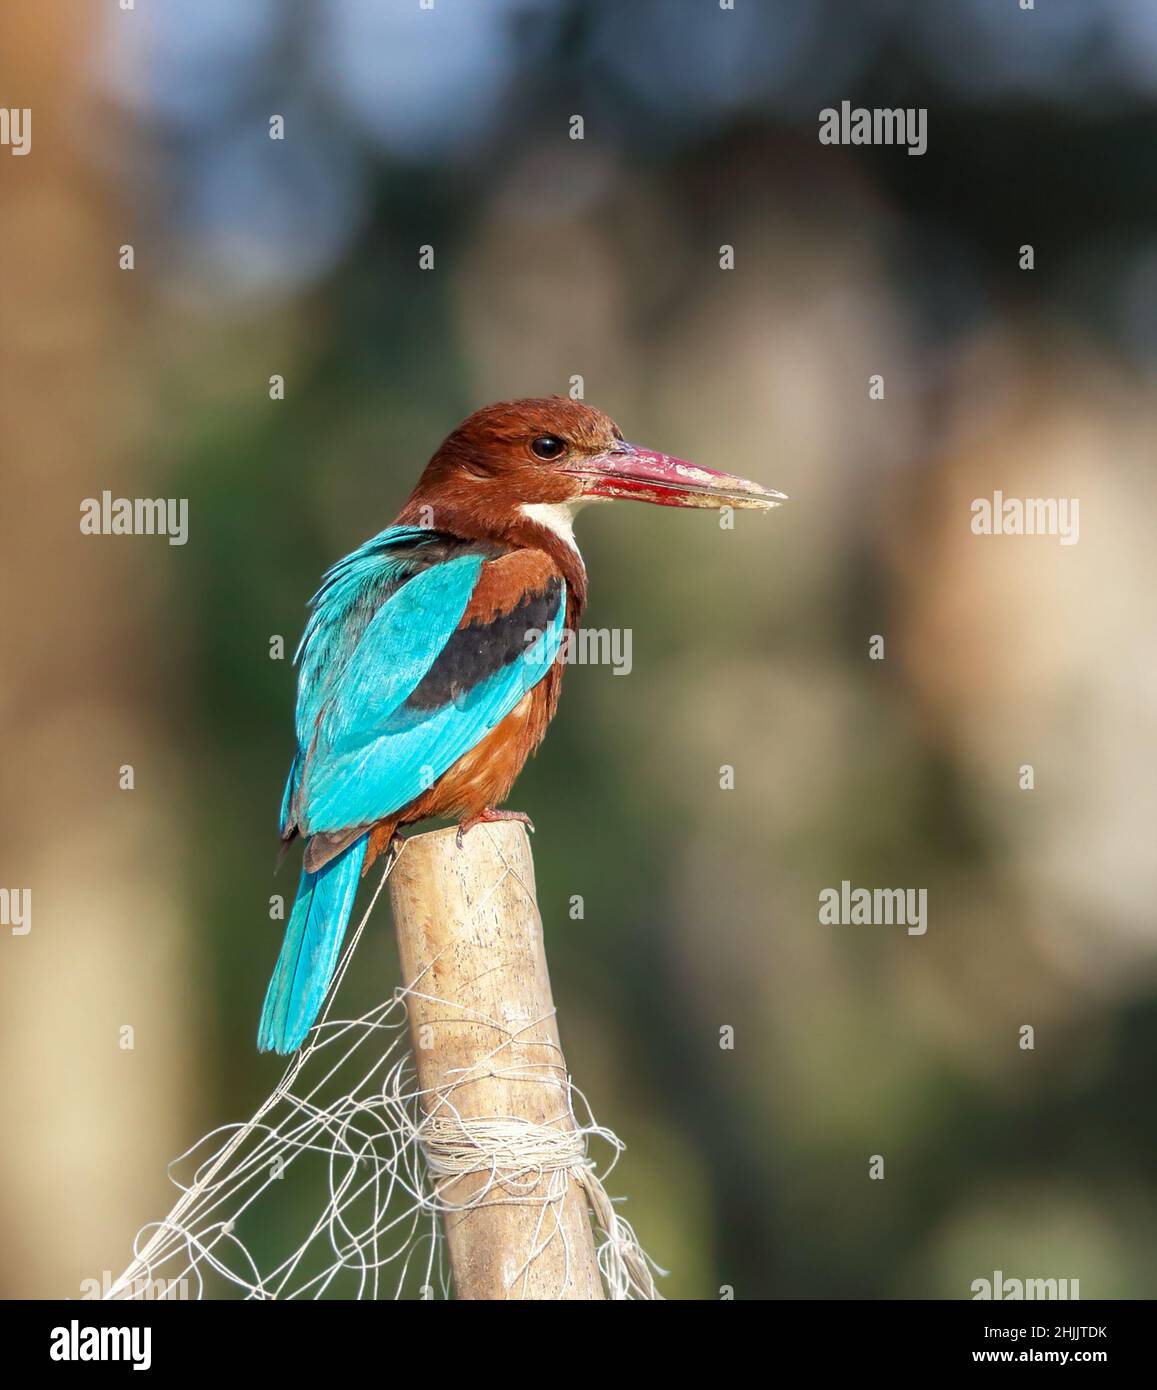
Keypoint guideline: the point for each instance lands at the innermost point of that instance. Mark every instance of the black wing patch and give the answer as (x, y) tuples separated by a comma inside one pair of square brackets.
[(479, 649)]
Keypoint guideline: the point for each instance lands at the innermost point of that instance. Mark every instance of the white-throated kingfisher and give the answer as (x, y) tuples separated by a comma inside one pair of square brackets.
[(431, 663)]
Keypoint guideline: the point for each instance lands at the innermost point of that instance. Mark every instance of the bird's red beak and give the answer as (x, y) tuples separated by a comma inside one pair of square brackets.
[(626, 471)]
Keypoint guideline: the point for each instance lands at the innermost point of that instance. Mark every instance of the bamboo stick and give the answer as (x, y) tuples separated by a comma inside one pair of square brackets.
[(487, 1048)]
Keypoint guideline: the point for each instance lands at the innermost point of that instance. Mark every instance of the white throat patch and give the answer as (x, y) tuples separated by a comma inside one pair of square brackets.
[(554, 516)]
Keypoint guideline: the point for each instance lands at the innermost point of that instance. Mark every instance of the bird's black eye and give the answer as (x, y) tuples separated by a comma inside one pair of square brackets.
[(548, 446)]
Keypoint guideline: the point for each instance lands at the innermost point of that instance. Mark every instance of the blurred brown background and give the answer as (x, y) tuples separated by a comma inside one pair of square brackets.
[(553, 258)]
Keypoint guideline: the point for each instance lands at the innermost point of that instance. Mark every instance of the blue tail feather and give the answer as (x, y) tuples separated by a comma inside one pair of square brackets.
[(309, 952)]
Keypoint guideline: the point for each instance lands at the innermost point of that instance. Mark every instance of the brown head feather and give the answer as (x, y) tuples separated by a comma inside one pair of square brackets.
[(486, 471)]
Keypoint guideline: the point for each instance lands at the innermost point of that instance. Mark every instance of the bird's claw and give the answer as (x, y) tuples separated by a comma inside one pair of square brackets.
[(488, 816)]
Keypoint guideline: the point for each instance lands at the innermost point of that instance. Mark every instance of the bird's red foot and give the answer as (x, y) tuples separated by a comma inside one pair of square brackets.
[(489, 814)]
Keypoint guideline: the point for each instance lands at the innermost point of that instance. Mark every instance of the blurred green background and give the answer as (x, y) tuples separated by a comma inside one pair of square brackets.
[(600, 258)]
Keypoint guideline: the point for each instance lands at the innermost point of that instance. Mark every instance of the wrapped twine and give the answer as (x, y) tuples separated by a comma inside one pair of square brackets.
[(515, 1156)]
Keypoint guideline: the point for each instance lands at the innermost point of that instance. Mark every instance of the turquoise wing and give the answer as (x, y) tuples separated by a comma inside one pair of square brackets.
[(366, 748), (363, 651)]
